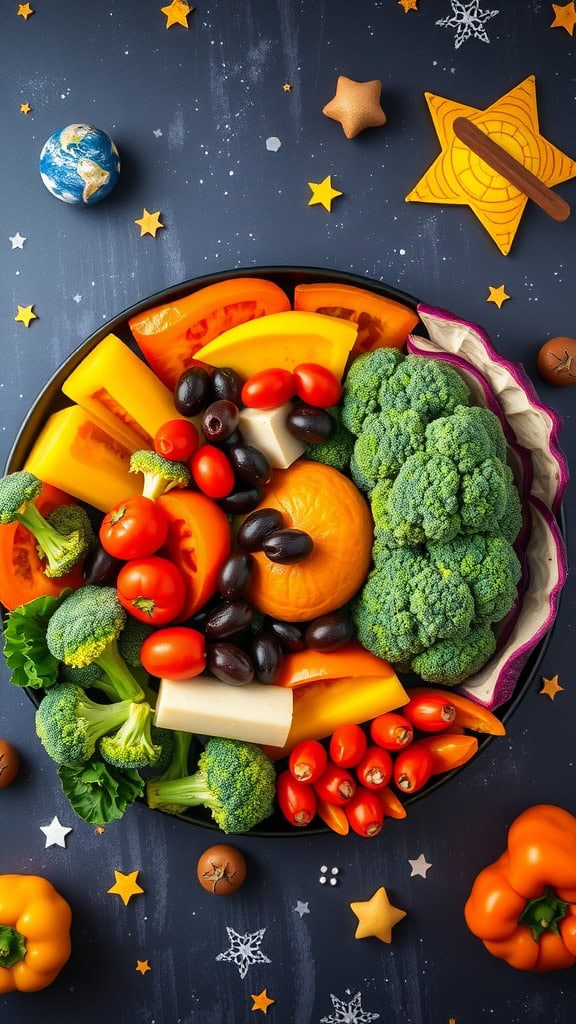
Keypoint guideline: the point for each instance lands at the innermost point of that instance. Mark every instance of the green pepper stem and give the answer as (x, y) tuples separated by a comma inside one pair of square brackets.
[(12, 946), (544, 913)]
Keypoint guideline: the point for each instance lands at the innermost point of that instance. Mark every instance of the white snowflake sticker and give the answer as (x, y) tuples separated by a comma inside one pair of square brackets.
[(468, 20), (244, 950), (348, 1013)]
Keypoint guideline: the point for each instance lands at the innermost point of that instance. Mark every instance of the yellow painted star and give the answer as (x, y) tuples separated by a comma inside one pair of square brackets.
[(149, 223), (25, 108), (177, 13), (408, 5), (551, 687), (125, 886), (323, 193), (25, 314), (497, 295), (287, 87), (376, 917), (143, 966), (459, 177), (564, 17), (262, 1001), (24, 11), (356, 105)]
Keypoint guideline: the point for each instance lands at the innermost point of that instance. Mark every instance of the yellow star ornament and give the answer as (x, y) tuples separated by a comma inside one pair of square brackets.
[(376, 917), (25, 108), (177, 13), (262, 1001), (408, 5), (149, 223), (459, 177), (25, 315), (143, 966), (564, 17), (24, 11), (125, 886), (551, 687), (497, 295), (323, 193)]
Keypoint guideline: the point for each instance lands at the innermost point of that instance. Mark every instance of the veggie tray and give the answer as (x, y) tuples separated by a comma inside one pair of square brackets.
[(297, 512)]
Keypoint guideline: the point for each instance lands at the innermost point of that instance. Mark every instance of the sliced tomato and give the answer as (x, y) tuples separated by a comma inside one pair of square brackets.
[(198, 542), (21, 570), (382, 322), (170, 335)]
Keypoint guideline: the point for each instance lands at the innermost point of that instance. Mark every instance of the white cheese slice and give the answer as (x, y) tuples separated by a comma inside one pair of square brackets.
[(256, 712), (266, 429)]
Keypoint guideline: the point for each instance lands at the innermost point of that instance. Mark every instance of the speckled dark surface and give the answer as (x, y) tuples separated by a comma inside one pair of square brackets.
[(191, 112)]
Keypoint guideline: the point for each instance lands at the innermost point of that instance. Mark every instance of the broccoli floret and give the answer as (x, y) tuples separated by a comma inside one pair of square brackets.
[(236, 780), (160, 474), (483, 497), (61, 550), (84, 629), (362, 385), (132, 745), (177, 768), (468, 437), (337, 450), (490, 567), (424, 502), (510, 522), (451, 661), (429, 386), (387, 440), (130, 640), (67, 518), (69, 724)]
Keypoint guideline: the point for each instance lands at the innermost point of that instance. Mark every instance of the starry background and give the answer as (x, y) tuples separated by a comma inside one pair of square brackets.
[(190, 111)]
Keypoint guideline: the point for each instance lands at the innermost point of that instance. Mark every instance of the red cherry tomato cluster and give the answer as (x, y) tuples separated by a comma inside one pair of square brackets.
[(310, 382), (347, 779)]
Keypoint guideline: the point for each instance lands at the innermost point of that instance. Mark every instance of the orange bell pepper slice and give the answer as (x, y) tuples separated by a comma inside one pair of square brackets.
[(468, 714), (391, 804), (351, 659), (449, 749), (334, 817)]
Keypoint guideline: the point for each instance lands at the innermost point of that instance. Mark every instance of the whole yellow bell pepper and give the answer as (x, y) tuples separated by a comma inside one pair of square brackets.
[(34, 933)]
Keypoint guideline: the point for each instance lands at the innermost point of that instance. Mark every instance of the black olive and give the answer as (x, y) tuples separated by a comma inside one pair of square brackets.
[(257, 526), (227, 384), (250, 464), (290, 634), (329, 632), (243, 501), (192, 391), (230, 664), (234, 575), (220, 420), (100, 567), (227, 619), (310, 424), (287, 546), (267, 655)]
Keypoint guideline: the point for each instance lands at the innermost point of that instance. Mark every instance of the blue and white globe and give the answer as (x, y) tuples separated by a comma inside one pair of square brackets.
[(79, 164)]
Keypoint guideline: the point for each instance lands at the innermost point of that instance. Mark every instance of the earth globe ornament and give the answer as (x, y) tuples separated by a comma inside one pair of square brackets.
[(79, 164)]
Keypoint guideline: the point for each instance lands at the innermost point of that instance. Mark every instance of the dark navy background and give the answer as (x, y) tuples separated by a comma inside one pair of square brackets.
[(190, 112)]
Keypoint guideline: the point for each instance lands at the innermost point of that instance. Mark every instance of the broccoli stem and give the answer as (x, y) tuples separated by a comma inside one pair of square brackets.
[(112, 663), (54, 546), (155, 486), (190, 791), (103, 718)]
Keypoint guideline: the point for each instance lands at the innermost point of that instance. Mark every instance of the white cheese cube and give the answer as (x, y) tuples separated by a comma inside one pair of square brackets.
[(256, 712), (266, 429)]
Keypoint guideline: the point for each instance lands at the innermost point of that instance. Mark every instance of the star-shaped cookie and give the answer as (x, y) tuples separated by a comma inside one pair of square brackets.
[(376, 917), (356, 105)]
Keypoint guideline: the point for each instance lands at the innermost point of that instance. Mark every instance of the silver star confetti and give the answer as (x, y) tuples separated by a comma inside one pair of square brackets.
[(468, 20), (419, 866), (244, 950), (17, 240)]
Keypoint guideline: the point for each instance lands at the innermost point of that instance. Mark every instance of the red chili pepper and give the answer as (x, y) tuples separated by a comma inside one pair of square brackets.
[(296, 800), (391, 731), (348, 745), (365, 813), (376, 768), (412, 768), (308, 761), (430, 712), (335, 785)]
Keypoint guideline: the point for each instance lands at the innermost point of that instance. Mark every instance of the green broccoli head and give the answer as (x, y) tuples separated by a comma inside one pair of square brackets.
[(483, 497), (84, 629), (62, 539), (429, 386), (386, 441), (510, 522), (469, 436), (381, 611), (360, 394), (450, 662), (131, 638), (442, 605), (337, 450), (160, 474), (424, 502), (132, 746), (69, 724), (489, 566), (236, 780)]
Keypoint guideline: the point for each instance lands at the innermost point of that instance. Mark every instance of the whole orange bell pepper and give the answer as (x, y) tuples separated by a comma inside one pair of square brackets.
[(523, 907), (34, 933)]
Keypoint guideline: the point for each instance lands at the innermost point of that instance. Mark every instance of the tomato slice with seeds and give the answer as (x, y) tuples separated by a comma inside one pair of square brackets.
[(198, 542)]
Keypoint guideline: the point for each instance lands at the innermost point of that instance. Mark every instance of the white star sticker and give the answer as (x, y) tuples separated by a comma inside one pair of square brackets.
[(77, 298), (17, 240), (419, 866), (301, 908), (468, 19), (55, 833), (158, 133)]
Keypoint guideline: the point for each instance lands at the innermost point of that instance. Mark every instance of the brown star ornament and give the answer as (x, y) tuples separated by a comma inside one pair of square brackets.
[(356, 105)]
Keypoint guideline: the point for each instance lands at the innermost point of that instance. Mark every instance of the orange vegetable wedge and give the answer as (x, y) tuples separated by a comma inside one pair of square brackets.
[(382, 322), (170, 335), (449, 750), (468, 714), (391, 804), (334, 817), (352, 659)]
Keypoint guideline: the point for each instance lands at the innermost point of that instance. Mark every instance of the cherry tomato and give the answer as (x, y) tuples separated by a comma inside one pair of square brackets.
[(365, 813), (412, 768), (221, 869), (176, 440), (212, 472), (176, 652), (296, 800), (308, 761), (317, 385), (336, 785), (391, 731), (151, 589), (375, 769), (348, 745), (430, 712), (134, 528), (9, 763), (268, 389)]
